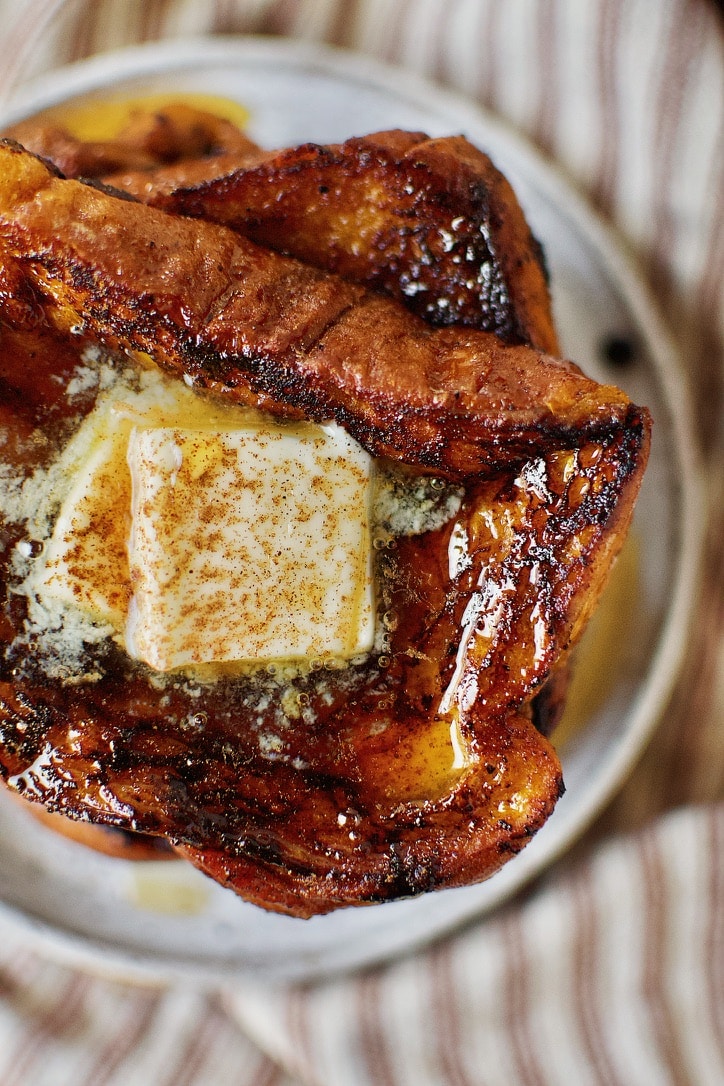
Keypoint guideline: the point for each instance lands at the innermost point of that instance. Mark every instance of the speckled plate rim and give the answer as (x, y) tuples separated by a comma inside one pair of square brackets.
[(419, 929)]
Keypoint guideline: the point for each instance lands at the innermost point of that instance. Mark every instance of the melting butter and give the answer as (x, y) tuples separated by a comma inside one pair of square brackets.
[(204, 533)]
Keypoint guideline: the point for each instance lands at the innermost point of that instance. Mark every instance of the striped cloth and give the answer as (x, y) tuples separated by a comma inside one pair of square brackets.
[(610, 970)]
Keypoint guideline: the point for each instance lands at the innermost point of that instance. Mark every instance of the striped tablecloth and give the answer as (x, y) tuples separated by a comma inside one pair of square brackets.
[(611, 969)]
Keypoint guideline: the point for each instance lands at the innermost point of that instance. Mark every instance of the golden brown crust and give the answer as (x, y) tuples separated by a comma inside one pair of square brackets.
[(401, 849), (430, 221)]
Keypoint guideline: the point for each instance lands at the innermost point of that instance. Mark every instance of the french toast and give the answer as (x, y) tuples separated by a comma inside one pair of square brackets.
[(419, 766)]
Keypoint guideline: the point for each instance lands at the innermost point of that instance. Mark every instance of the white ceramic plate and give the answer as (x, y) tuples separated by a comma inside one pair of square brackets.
[(162, 919)]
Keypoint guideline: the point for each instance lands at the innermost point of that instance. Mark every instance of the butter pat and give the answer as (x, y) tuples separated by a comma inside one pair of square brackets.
[(248, 543), (200, 533)]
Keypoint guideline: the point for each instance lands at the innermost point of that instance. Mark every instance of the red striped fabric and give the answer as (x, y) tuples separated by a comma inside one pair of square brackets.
[(610, 971)]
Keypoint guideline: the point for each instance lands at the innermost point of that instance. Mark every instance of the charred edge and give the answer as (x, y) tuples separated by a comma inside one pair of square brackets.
[(407, 875), (108, 190), (486, 304), (261, 847), (637, 428), (141, 326), (625, 449), (394, 434), (23, 729), (515, 841), (541, 259), (190, 200), (547, 707)]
